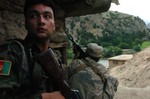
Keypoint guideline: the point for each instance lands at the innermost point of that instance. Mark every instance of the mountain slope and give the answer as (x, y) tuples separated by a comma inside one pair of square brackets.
[(148, 25), (112, 21)]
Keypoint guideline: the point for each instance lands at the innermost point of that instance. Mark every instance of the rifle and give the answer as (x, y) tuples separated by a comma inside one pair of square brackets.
[(77, 47), (52, 68)]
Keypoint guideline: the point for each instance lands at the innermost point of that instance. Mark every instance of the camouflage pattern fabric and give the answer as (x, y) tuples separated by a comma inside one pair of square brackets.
[(89, 83), (18, 85), (8, 83)]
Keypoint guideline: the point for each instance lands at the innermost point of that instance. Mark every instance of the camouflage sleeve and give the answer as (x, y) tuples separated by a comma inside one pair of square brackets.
[(9, 63), (75, 66)]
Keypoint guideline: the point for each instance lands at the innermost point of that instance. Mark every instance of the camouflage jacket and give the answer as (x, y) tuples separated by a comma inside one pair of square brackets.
[(90, 84), (19, 79)]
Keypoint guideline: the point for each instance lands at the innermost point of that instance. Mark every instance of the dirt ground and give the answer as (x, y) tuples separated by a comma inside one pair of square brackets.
[(132, 93), (134, 77)]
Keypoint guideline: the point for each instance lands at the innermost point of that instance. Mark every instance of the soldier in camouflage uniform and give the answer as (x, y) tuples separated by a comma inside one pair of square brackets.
[(84, 75), (20, 76)]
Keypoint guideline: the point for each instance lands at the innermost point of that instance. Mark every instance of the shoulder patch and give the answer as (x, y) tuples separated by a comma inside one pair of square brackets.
[(5, 67)]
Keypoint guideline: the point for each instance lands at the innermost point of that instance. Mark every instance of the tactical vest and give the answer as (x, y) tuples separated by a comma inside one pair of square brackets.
[(24, 81)]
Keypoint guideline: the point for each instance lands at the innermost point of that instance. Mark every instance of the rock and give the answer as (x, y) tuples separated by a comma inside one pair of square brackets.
[(12, 19), (134, 77)]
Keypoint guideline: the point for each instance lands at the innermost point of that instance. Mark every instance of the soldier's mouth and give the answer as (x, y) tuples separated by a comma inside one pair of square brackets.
[(41, 30)]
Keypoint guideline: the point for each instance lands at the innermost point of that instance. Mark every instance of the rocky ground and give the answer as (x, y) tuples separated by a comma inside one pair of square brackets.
[(134, 77)]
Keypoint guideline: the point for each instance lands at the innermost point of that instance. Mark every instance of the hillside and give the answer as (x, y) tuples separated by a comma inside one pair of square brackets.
[(110, 21), (134, 77), (148, 25)]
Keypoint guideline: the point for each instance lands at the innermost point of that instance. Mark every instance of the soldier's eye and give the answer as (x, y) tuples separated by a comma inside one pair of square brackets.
[(47, 16), (33, 16)]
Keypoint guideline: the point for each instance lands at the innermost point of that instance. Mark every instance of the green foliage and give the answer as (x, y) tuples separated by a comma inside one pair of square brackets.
[(70, 54), (118, 32), (112, 51), (137, 48), (124, 45), (85, 37), (105, 44), (145, 44), (112, 42), (122, 40), (95, 26), (86, 18)]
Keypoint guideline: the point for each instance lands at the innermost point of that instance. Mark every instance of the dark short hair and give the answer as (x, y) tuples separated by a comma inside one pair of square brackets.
[(30, 3)]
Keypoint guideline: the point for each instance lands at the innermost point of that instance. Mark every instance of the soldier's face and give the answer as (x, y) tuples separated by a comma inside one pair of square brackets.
[(40, 21)]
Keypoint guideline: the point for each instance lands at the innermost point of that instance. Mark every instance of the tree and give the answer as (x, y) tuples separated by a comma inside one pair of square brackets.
[(137, 48), (112, 51)]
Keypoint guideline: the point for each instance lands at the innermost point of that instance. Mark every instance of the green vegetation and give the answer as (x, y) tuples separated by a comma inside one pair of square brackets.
[(113, 43), (114, 31), (70, 54), (69, 60), (145, 44), (112, 51)]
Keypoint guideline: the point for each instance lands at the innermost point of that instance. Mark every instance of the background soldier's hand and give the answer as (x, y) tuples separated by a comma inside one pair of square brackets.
[(53, 95)]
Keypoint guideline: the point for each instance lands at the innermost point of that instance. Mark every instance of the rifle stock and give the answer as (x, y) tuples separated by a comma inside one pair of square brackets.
[(52, 68)]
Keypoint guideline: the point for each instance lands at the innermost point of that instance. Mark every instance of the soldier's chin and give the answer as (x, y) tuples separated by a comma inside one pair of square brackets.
[(43, 36)]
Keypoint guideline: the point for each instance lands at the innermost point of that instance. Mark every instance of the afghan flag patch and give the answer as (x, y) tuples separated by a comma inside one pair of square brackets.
[(5, 67)]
